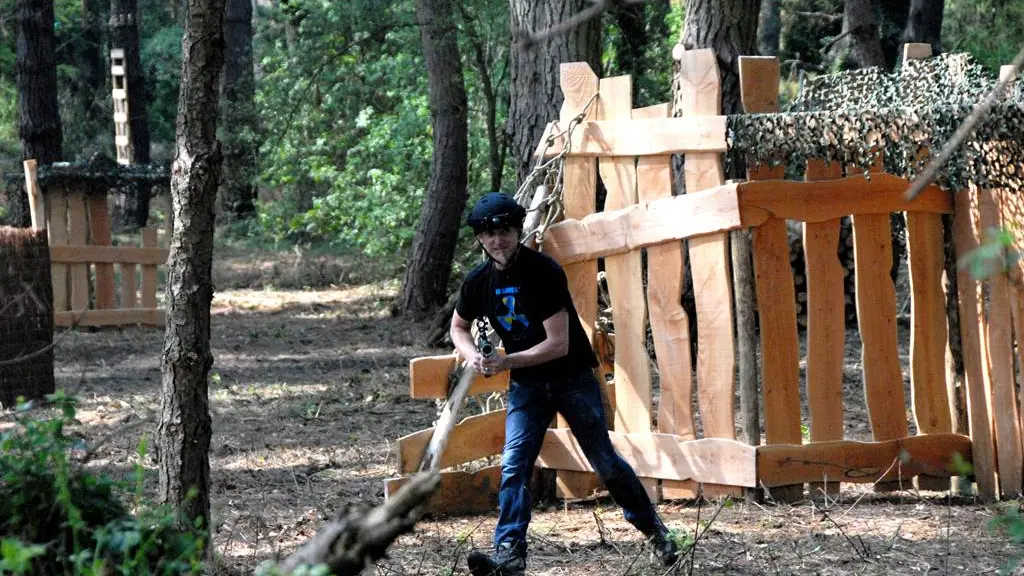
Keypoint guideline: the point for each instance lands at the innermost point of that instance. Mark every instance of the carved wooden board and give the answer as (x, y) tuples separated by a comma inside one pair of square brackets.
[(473, 438), (699, 95), (78, 233), (99, 230), (58, 232), (428, 378), (462, 493)]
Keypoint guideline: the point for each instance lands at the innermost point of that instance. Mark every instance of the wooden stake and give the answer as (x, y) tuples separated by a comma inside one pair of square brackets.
[(35, 195)]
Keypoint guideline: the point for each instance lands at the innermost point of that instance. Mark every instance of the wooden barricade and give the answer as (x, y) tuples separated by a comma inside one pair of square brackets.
[(684, 453), (87, 290)]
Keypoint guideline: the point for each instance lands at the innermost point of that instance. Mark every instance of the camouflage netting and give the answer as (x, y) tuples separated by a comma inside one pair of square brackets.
[(26, 315), (850, 117)]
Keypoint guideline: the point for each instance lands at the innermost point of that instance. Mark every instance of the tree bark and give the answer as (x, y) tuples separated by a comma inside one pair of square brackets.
[(632, 40), (924, 23), (769, 27), (91, 69), (535, 94), (184, 430), (132, 209), (730, 28), (426, 276), (238, 181), (861, 46), (39, 126)]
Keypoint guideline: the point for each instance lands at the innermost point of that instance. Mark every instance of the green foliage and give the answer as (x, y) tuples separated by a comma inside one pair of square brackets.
[(1011, 521), (991, 30), (994, 255), (161, 59), (57, 518)]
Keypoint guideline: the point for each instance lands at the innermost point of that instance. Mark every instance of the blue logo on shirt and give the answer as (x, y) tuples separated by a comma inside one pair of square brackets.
[(505, 311)]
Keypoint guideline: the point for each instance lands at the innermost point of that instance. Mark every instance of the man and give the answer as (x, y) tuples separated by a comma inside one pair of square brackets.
[(525, 296)]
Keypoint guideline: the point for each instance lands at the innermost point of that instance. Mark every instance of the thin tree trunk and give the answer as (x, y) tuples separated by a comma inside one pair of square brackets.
[(91, 69), (184, 430), (632, 41), (495, 146), (132, 209), (238, 182), (39, 126), (769, 27), (425, 285), (535, 94), (924, 23), (861, 45)]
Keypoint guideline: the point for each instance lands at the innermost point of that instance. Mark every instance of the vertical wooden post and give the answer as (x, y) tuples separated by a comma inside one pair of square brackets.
[(699, 94), (979, 399), (99, 232), (58, 233), (35, 195), (149, 240), (579, 84), (780, 349), (625, 282), (122, 127), (928, 333), (78, 230)]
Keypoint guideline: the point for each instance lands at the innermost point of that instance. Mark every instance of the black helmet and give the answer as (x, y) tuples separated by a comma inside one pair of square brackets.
[(495, 211)]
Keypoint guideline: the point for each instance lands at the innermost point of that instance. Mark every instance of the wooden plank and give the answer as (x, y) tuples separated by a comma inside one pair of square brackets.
[(664, 220), (428, 378), (129, 292), (824, 200), (35, 195), (699, 95), (579, 84), (780, 360), (639, 137), (876, 320), (461, 493), (826, 318), (916, 51), (670, 326), (853, 461), (979, 408), (117, 317), (473, 438), (1000, 369), (149, 270), (664, 456), (625, 281), (108, 254), (99, 231), (58, 234), (78, 231)]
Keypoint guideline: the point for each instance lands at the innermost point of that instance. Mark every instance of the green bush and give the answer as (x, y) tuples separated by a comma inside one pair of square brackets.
[(59, 518)]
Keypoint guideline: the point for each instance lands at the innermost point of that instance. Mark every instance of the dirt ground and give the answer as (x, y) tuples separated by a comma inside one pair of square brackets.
[(309, 393)]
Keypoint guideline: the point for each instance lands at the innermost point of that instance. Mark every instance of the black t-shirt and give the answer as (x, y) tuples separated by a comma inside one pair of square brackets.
[(517, 301)]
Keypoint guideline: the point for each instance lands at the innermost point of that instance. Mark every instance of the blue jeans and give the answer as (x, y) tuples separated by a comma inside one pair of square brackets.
[(531, 406)]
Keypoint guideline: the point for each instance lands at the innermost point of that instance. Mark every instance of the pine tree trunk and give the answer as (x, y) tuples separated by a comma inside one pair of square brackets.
[(91, 69), (769, 27), (862, 45), (132, 209), (425, 286), (238, 181), (39, 126), (184, 430), (535, 94), (924, 23)]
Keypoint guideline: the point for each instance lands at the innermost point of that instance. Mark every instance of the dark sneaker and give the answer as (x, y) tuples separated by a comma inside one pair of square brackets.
[(506, 561), (664, 547)]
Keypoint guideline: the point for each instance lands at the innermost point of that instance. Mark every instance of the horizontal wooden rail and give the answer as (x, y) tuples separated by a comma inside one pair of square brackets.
[(823, 200), (474, 438), (639, 225), (853, 461), (428, 378), (119, 317), (642, 137), (463, 492), (107, 254), (662, 456)]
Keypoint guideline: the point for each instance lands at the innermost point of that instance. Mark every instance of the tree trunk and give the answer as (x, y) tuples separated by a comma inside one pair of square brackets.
[(238, 182), (91, 69), (924, 23), (730, 28), (861, 46), (184, 431), (425, 285), (632, 40), (535, 95), (39, 126), (769, 27), (132, 208), (495, 142)]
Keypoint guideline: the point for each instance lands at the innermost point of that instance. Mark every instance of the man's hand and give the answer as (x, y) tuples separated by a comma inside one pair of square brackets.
[(488, 366)]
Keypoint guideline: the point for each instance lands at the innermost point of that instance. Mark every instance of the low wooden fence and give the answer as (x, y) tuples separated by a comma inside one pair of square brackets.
[(87, 288), (675, 457)]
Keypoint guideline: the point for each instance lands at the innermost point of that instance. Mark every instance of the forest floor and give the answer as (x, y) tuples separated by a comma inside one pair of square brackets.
[(309, 393)]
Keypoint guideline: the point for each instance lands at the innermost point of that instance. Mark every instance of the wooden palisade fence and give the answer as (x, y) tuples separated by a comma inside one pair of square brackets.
[(632, 149), (83, 259)]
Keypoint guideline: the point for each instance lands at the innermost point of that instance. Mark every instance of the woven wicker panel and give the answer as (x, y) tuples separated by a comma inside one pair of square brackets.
[(26, 315)]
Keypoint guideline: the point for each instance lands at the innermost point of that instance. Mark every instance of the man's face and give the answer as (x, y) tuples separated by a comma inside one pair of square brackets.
[(500, 244)]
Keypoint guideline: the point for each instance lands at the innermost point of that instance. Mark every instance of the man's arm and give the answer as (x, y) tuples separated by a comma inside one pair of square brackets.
[(555, 345), (462, 338)]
